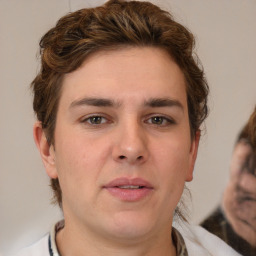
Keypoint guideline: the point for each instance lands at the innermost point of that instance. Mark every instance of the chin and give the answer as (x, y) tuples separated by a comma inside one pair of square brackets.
[(131, 226)]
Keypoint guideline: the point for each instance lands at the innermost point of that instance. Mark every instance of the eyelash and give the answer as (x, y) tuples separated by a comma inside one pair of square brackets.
[(165, 121), (90, 118)]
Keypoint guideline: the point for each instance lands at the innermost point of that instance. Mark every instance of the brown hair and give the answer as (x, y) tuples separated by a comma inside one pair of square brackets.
[(115, 24), (248, 133)]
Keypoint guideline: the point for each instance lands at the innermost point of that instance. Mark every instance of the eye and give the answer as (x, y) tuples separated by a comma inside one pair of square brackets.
[(157, 120), (160, 120), (95, 120)]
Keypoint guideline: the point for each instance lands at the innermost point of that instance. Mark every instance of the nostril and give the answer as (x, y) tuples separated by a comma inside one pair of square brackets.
[(139, 157), (122, 157)]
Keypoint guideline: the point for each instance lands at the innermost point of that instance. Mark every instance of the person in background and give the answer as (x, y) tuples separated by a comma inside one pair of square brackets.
[(235, 220), (119, 101)]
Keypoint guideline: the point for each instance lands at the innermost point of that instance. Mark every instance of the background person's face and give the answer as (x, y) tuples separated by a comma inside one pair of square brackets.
[(243, 160), (123, 120), (239, 198)]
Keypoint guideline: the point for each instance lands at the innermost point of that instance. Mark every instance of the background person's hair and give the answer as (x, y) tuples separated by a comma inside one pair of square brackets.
[(252, 128), (248, 132), (116, 24)]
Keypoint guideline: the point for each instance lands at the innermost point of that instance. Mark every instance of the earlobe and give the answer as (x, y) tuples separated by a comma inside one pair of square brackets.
[(193, 155), (46, 151)]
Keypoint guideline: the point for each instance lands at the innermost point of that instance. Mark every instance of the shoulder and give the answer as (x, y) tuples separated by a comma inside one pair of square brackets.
[(40, 248), (200, 242), (214, 223)]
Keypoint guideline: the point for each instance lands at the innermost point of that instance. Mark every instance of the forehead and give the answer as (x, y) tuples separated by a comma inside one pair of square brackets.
[(129, 72)]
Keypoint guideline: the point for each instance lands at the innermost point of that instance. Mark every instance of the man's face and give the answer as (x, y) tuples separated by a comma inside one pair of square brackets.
[(123, 149)]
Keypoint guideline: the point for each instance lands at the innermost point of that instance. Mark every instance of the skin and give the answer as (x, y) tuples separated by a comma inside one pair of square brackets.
[(239, 199), (133, 137)]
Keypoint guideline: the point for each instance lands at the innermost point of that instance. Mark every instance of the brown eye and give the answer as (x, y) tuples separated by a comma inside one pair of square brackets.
[(160, 121), (157, 120), (95, 120)]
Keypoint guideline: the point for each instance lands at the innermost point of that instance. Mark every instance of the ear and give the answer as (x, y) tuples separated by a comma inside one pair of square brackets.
[(46, 151), (193, 155)]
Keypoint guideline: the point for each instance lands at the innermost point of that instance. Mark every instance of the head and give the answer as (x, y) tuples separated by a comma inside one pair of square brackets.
[(238, 198), (115, 25), (243, 158)]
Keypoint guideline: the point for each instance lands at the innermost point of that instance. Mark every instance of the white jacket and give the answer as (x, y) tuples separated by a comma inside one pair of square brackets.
[(200, 242)]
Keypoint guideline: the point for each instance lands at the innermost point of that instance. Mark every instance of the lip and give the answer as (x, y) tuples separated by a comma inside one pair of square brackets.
[(129, 194)]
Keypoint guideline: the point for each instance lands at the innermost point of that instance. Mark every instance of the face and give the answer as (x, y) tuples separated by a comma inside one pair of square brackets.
[(243, 160), (122, 149)]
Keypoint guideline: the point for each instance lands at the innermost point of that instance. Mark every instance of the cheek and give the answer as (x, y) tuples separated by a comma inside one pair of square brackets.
[(79, 160), (171, 176), (173, 155), (173, 162), (71, 162)]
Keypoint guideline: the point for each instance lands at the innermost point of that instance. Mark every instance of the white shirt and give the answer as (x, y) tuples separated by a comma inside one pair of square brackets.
[(199, 242)]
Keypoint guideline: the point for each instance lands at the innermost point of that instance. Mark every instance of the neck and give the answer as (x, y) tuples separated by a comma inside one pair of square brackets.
[(78, 242)]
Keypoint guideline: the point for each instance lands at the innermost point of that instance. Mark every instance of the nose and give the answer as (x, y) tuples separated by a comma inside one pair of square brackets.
[(131, 144)]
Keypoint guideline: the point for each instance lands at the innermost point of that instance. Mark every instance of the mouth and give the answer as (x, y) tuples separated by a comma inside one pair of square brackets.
[(130, 187), (130, 190)]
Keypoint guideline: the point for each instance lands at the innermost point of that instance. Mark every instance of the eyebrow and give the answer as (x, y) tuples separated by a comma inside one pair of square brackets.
[(97, 102), (102, 102), (163, 102)]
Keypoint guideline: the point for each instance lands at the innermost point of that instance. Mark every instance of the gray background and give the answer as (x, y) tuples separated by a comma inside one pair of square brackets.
[(226, 44)]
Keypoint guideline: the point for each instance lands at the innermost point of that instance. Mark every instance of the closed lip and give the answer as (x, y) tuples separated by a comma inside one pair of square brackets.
[(129, 189), (123, 181)]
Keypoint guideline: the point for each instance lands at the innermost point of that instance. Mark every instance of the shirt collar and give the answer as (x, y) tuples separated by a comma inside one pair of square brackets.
[(176, 236), (181, 249), (52, 238)]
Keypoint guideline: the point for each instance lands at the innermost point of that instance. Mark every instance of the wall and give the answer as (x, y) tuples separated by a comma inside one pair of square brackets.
[(226, 39)]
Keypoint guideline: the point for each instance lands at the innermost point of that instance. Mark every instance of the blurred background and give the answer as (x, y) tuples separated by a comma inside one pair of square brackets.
[(226, 44)]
